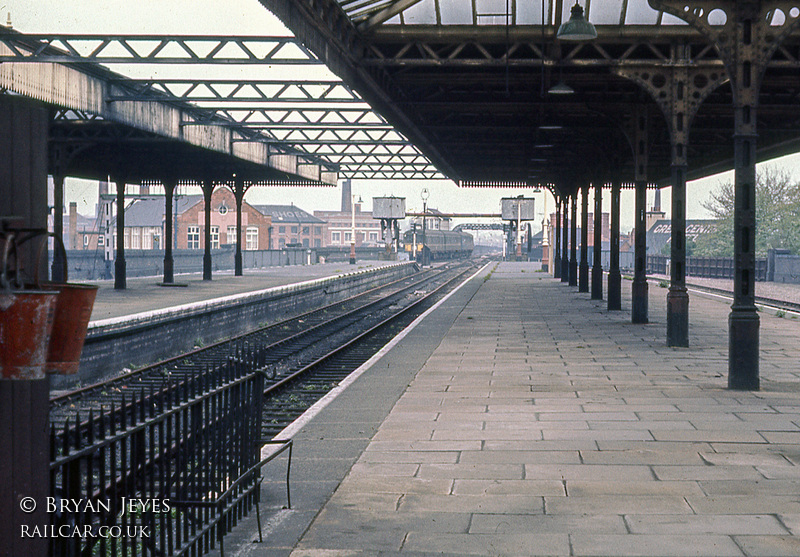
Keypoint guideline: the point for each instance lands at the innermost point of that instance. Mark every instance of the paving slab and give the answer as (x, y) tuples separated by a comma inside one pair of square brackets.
[(536, 422)]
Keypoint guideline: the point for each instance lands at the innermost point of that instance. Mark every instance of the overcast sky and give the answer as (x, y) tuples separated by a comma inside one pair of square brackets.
[(248, 17)]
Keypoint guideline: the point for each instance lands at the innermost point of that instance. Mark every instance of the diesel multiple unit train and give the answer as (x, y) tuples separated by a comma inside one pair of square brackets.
[(443, 244)]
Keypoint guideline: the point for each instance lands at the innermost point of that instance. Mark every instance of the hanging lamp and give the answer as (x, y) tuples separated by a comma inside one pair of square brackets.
[(577, 28)]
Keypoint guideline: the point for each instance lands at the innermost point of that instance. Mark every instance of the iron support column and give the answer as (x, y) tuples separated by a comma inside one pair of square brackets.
[(238, 194), (119, 263), (57, 270), (583, 273), (743, 321), (639, 286), (678, 297), (573, 247), (557, 242), (614, 278), (25, 464), (208, 189), (565, 241), (746, 42), (169, 262), (597, 267)]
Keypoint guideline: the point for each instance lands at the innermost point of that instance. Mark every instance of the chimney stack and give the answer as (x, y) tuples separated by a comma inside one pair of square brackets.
[(347, 197)]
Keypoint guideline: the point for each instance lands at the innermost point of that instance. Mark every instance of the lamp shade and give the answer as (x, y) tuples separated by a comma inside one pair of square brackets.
[(560, 88), (577, 28)]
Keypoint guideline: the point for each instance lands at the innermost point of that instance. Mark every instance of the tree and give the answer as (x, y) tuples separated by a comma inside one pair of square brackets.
[(777, 216)]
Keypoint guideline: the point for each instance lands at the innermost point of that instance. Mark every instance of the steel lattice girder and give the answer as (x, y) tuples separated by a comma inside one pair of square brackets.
[(155, 49), (222, 92), (298, 114)]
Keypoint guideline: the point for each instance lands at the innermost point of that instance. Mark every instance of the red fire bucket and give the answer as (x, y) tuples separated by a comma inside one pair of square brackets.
[(26, 319), (71, 319), (73, 309)]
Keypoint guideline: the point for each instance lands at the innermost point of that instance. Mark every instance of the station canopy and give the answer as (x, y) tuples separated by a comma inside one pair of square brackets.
[(474, 84), (460, 89)]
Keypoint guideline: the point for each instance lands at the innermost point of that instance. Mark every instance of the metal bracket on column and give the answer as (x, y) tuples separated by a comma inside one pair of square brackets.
[(746, 33), (679, 89)]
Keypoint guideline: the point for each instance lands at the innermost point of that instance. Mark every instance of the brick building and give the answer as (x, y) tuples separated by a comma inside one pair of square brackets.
[(293, 226), (190, 222), (340, 230), (144, 222), (340, 223)]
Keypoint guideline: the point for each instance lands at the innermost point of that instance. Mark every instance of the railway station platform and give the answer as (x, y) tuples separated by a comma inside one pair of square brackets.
[(146, 294), (523, 418)]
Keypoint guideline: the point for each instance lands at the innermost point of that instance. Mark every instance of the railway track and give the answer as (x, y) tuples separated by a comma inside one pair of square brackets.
[(191, 430), (277, 350), (772, 303), (289, 398)]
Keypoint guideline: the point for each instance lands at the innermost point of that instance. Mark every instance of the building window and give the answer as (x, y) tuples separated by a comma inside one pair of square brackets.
[(294, 230), (231, 235), (317, 243), (215, 237), (101, 240), (156, 238), (373, 236), (305, 242), (281, 230), (336, 237), (348, 236), (193, 237), (306, 230), (281, 243), (251, 235), (85, 241), (147, 238), (317, 230)]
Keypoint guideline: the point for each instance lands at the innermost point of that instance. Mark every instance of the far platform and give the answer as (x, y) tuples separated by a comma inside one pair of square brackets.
[(146, 293)]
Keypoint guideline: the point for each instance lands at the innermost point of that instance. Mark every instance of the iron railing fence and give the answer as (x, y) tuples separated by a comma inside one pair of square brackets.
[(166, 470), (705, 267)]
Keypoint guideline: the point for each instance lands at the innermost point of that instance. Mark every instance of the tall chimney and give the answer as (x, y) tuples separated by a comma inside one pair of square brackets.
[(144, 189), (347, 197), (657, 202), (73, 226)]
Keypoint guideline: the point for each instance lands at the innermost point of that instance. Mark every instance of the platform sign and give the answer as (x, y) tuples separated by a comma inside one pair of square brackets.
[(388, 207), (517, 208)]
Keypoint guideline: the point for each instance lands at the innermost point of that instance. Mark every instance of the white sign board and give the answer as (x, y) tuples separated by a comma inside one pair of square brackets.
[(517, 208), (388, 207)]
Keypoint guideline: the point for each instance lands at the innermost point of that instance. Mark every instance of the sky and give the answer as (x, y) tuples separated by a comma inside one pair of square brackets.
[(249, 17)]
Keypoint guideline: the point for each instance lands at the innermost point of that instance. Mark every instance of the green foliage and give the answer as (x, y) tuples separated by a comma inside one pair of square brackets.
[(691, 248), (777, 216)]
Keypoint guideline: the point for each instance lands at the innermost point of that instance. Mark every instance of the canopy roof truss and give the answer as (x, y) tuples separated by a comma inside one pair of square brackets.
[(469, 80), (322, 120)]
